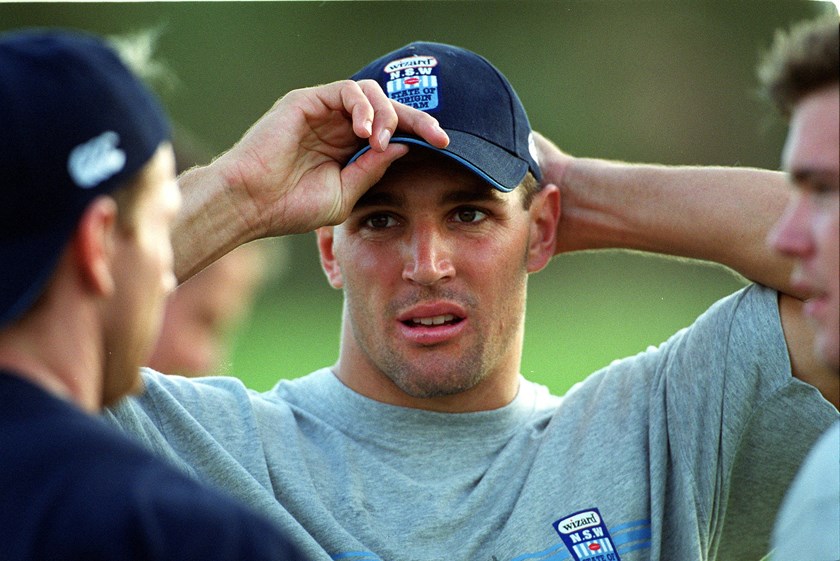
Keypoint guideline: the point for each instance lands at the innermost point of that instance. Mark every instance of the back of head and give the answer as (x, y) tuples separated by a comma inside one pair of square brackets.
[(76, 124), (474, 103), (801, 61)]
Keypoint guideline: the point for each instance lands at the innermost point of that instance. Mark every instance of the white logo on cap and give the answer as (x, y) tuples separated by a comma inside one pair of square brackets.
[(96, 160), (414, 61), (532, 148)]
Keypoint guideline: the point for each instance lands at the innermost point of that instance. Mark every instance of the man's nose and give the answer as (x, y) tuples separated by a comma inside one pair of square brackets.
[(428, 256), (790, 234)]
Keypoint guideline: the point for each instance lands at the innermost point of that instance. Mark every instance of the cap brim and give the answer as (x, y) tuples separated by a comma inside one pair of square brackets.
[(497, 166), (32, 262)]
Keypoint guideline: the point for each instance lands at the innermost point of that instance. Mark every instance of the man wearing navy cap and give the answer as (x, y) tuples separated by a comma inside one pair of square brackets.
[(424, 442), (87, 201)]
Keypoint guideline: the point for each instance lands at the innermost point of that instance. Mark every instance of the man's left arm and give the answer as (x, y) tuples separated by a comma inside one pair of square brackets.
[(717, 214)]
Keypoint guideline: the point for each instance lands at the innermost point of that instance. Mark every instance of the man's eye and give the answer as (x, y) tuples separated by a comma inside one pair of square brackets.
[(469, 215), (825, 188), (380, 221)]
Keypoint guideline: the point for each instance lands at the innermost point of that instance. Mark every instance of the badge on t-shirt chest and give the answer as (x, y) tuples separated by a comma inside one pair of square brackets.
[(586, 536)]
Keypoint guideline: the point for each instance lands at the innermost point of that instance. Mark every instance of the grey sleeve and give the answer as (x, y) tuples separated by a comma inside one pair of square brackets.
[(205, 426), (717, 374), (738, 423), (138, 417)]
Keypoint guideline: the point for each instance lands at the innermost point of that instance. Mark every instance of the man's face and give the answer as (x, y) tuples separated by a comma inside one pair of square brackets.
[(202, 313), (143, 276), (808, 231), (433, 263)]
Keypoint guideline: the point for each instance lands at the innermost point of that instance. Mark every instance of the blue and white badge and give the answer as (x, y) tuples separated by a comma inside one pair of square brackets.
[(586, 536), (412, 82)]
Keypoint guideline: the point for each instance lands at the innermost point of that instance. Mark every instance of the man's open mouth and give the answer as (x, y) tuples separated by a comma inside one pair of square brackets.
[(433, 321)]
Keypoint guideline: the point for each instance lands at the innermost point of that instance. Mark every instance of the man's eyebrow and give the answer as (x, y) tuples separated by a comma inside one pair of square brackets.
[(487, 194), (378, 198), (387, 198)]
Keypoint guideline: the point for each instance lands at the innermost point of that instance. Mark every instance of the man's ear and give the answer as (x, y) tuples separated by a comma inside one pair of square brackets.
[(326, 239), (544, 212), (94, 245)]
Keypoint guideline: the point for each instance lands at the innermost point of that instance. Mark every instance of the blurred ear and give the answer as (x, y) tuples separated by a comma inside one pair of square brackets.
[(326, 238), (545, 212), (94, 244)]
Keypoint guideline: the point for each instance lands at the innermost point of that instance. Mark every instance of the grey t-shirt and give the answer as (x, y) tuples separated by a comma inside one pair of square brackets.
[(680, 453)]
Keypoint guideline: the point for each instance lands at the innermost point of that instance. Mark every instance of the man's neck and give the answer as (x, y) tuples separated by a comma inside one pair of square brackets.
[(59, 371)]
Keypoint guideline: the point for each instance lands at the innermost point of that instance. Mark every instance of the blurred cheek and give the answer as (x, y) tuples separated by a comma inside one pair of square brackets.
[(786, 236), (834, 228), (829, 236), (159, 247), (199, 353), (827, 233), (204, 357)]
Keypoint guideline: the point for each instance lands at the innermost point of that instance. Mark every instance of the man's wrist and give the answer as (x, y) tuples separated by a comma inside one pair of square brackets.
[(211, 221)]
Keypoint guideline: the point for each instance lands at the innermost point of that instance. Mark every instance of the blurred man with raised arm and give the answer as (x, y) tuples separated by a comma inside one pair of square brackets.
[(802, 75)]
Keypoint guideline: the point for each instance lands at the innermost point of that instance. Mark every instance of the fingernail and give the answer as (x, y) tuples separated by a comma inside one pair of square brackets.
[(368, 127), (443, 132), (384, 137)]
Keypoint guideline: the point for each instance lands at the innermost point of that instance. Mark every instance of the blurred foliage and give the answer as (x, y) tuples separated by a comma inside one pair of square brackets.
[(657, 81)]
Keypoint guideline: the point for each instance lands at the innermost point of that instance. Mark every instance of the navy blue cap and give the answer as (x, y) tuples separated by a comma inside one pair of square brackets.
[(474, 103), (74, 123)]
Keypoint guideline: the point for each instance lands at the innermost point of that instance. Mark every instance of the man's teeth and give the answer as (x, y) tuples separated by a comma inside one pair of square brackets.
[(435, 320)]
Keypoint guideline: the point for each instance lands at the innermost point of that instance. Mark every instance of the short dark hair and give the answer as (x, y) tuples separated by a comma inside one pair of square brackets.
[(801, 61), (529, 187)]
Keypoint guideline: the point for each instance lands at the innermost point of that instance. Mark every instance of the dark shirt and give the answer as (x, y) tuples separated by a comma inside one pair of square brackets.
[(73, 488)]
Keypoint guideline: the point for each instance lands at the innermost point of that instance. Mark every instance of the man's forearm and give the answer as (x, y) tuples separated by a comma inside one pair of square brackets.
[(711, 213), (210, 222)]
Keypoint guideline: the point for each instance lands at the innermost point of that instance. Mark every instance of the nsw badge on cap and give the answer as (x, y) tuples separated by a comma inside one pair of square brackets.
[(412, 81)]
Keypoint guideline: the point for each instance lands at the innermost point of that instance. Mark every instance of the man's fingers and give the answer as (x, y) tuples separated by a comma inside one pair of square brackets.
[(385, 117), (422, 124), (363, 174), (391, 115), (551, 159), (358, 104), (376, 117), (544, 145)]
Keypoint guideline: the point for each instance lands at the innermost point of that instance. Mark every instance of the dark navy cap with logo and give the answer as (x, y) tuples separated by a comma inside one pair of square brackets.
[(474, 103), (75, 123)]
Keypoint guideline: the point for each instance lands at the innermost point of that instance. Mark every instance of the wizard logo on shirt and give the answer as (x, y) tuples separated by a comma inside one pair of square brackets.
[(412, 81), (586, 536)]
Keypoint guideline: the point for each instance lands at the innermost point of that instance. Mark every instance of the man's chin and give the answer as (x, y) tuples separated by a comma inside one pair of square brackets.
[(425, 385)]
